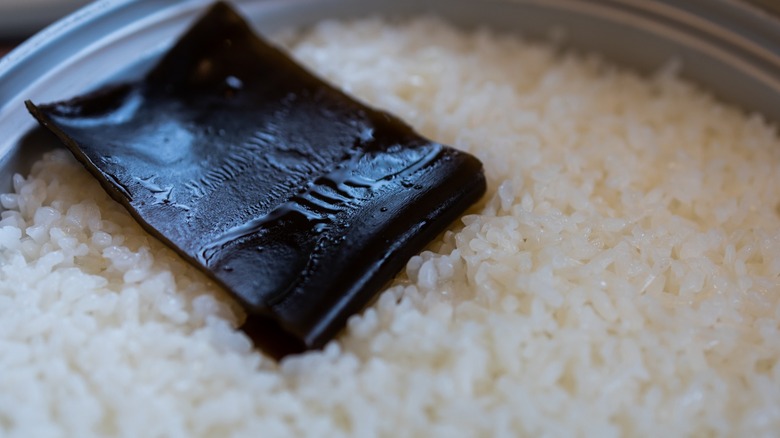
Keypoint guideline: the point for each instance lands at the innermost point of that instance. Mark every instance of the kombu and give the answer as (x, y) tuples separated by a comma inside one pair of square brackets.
[(297, 199)]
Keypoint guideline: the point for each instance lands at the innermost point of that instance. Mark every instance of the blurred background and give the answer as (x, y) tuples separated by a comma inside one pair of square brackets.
[(20, 19)]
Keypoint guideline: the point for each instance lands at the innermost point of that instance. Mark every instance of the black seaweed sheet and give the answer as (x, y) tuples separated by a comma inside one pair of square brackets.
[(300, 201)]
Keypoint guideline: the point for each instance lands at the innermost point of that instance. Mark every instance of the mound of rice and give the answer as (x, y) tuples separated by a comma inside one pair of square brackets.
[(621, 278)]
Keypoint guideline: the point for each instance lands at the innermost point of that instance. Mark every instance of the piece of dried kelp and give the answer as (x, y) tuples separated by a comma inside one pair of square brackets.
[(299, 200)]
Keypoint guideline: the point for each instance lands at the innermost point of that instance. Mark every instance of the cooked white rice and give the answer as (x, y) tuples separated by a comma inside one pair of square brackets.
[(621, 278)]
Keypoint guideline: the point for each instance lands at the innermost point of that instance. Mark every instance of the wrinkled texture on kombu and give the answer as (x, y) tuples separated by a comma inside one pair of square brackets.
[(300, 201)]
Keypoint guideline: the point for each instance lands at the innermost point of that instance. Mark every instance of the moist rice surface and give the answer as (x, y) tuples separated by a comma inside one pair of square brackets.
[(620, 278)]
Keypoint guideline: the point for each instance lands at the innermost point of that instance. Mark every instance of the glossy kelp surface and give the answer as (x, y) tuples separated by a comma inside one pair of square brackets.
[(299, 200)]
